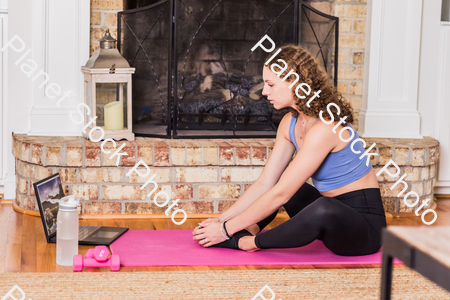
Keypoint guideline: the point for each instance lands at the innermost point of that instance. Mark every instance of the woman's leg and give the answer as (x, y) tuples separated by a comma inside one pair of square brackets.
[(302, 198), (341, 228), (305, 195)]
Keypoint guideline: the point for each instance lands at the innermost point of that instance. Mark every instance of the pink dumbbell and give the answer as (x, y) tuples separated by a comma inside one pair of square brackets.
[(90, 261), (89, 253), (100, 253), (79, 263)]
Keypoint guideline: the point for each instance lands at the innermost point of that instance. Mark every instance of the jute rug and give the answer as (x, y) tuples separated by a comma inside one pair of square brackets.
[(286, 284)]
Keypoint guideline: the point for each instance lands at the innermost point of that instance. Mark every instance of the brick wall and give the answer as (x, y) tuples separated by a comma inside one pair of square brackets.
[(352, 25), (103, 16), (207, 175)]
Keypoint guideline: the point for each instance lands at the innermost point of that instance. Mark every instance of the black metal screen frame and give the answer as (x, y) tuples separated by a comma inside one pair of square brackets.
[(175, 119), (169, 81), (299, 7), (336, 34)]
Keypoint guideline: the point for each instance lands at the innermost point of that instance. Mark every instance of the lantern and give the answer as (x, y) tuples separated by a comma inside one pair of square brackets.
[(107, 92)]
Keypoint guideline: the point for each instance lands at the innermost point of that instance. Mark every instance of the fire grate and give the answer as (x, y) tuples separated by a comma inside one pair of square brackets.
[(204, 48)]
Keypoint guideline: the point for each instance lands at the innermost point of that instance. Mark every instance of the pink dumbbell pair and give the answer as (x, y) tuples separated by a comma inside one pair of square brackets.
[(97, 257)]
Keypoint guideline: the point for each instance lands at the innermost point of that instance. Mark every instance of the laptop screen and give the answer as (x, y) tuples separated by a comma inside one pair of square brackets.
[(47, 191)]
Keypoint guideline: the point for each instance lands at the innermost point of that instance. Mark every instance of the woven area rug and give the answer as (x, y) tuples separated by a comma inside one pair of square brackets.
[(286, 284)]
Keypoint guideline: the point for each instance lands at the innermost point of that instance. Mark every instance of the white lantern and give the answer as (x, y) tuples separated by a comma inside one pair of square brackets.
[(107, 92)]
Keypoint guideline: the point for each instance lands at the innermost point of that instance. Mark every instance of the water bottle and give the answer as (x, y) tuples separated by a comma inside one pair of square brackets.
[(67, 231)]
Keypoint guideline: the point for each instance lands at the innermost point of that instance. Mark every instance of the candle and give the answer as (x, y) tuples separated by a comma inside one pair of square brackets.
[(114, 115)]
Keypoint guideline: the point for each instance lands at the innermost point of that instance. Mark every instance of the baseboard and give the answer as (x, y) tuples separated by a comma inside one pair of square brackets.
[(10, 187), (442, 190), (24, 211), (5, 201)]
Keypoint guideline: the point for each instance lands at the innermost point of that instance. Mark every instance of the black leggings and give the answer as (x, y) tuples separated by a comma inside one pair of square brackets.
[(349, 224)]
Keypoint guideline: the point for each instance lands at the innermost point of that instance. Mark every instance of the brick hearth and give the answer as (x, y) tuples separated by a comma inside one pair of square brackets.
[(207, 175)]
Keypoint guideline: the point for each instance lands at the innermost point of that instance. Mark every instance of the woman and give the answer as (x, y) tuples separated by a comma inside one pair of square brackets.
[(344, 209)]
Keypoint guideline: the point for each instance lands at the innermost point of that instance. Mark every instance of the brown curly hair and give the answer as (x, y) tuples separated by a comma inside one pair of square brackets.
[(306, 66)]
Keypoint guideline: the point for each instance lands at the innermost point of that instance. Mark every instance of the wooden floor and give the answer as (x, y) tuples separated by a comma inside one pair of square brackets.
[(23, 247)]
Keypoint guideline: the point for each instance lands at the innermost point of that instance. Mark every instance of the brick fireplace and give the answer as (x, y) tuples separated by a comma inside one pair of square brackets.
[(196, 74), (352, 25), (208, 175)]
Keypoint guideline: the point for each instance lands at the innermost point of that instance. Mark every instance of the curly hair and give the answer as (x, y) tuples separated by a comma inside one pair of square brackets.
[(306, 66)]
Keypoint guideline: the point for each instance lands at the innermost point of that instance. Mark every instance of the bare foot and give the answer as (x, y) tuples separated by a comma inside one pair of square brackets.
[(247, 243), (253, 229)]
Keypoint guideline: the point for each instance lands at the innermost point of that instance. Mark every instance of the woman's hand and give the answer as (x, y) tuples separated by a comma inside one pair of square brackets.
[(209, 235)]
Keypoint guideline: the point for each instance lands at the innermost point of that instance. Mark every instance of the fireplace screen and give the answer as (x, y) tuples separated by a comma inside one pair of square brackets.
[(196, 76)]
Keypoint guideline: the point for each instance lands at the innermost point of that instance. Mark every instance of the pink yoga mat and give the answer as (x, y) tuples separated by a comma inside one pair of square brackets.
[(144, 248)]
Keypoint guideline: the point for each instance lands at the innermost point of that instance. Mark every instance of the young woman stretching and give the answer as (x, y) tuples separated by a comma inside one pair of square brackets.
[(344, 209)]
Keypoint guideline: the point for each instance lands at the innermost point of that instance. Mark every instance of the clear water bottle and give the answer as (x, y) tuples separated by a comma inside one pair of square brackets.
[(67, 230)]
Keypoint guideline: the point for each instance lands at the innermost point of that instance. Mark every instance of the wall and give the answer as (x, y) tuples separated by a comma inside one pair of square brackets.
[(206, 175), (18, 100), (19, 93), (352, 27), (433, 91), (429, 64), (103, 16), (3, 92), (443, 108), (57, 32), (405, 70)]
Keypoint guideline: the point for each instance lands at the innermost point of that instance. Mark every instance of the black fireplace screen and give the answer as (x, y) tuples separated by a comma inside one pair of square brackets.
[(196, 76)]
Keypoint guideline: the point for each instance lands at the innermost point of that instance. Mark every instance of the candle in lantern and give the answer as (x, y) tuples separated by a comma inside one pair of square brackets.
[(114, 115)]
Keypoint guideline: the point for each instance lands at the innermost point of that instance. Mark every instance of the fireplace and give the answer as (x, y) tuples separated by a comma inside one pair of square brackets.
[(196, 76)]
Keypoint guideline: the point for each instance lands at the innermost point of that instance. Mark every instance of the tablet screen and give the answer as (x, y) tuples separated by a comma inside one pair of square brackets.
[(105, 234)]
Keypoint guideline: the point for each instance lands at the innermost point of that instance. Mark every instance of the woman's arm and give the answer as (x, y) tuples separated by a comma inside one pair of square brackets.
[(276, 164), (245, 200), (319, 141)]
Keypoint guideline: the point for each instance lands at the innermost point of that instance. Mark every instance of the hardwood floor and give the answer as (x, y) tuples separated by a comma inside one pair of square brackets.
[(23, 247)]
